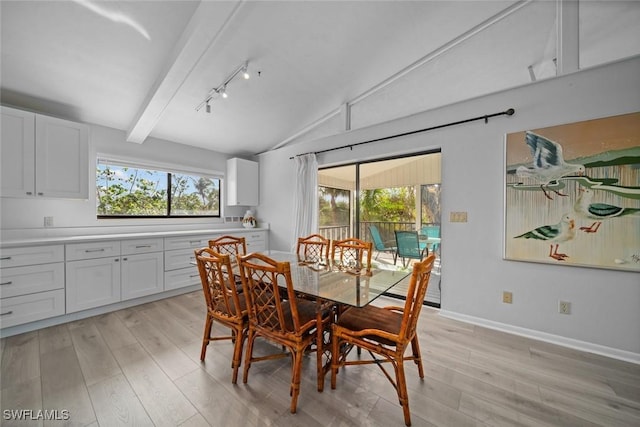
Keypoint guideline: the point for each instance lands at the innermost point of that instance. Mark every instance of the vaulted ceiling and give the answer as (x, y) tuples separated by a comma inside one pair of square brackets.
[(144, 66)]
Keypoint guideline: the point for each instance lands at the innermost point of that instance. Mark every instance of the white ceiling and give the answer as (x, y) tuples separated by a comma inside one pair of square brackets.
[(144, 66)]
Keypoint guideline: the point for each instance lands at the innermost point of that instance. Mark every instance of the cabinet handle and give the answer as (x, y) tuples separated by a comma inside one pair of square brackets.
[(142, 246), (40, 194), (4, 258), (7, 313), (6, 283), (124, 259), (116, 260), (94, 250), (194, 275), (29, 193)]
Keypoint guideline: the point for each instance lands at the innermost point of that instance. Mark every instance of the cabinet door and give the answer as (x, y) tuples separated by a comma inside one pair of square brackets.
[(17, 153), (142, 275), (62, 158), (92, 283), (242, 182)]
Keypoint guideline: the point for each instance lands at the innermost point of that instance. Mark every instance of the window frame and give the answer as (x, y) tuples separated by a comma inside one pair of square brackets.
[(167, 170)]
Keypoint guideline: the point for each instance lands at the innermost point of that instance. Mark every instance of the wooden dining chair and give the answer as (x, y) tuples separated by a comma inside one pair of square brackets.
[(291, 322), (233, 246), (387, 332), (224, 304), (313, 248), (236, 246), (353, 254)]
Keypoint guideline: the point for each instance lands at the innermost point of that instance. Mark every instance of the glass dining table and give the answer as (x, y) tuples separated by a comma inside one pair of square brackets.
[(340, 284)]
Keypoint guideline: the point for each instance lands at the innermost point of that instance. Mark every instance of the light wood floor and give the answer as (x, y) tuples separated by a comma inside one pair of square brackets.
[(140, 366)]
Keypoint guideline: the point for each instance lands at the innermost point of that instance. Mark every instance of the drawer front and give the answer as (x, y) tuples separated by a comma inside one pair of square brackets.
[(177, 259), (256, 246), (181, 278), (30, 255), (31, 279), (141, 246), (256, 241), (29, 308), (78, 251), (187, 242)]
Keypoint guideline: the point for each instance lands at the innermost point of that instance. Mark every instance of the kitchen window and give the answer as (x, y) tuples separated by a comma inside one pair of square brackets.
[(130, 190)]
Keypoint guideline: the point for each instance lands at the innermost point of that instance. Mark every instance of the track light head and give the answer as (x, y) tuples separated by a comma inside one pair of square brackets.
[(221, 89)]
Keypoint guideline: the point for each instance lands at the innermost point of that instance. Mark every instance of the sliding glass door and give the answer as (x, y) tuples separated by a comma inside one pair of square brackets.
[(372, 200)]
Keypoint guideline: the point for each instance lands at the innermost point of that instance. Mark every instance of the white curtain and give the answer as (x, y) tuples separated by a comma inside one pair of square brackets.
[(305, 203)]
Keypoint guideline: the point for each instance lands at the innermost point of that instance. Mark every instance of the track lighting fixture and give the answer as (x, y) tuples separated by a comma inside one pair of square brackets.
[(221, 89)]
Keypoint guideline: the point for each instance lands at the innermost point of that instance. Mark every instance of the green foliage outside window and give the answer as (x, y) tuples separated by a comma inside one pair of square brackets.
[(388, 205), (123, 191)]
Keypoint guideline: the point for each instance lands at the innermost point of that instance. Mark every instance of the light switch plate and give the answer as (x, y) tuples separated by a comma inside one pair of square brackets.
[(458, 217)]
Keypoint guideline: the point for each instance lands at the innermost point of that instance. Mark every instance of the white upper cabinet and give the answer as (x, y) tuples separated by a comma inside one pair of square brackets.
[(17, 152), (242, 182), (44, 156)]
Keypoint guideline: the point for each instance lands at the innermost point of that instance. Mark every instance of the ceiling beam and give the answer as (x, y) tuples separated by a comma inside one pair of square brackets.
[(208, 22), (567, 50)]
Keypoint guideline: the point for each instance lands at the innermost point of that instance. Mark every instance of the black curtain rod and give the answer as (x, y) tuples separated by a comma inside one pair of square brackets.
[(486, 118)]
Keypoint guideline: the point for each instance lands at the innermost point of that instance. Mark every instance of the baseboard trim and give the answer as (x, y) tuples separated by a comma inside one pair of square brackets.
[(614, 353)]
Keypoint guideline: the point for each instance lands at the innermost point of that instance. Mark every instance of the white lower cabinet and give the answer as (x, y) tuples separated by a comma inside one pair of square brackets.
[(256, 241), (92, 283), (141, 274), (29, 308), (133, 268), (44, 281), (31, 284), (179, 263)]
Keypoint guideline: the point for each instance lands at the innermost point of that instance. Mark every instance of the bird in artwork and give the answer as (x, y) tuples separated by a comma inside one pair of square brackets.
[(598, 211), (548, 163), (556, 233)]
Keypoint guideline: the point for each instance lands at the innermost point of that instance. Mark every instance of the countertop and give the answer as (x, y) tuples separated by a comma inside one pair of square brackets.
[(121, 236)]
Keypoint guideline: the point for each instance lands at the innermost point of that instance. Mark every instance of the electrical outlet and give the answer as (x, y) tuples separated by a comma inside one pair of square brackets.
[(564, 307), (507, 297), (48, 221)]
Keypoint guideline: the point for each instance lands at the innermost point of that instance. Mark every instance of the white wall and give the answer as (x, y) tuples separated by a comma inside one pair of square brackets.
[(24, 217), (605, 303)]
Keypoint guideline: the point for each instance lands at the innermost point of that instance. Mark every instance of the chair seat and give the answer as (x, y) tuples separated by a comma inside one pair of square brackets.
[(372, 317), (242, 303), (306, 313)]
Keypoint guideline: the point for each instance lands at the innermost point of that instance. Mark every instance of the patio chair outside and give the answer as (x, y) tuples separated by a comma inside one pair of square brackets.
[(409, 246), (379, 245)]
